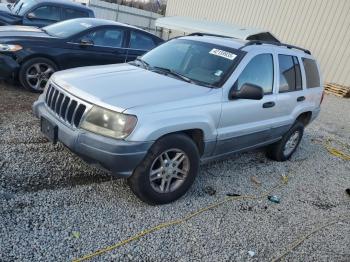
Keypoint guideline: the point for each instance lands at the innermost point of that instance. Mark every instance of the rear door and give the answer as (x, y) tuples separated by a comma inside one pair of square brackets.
[(247, 123), (312, 82), (42, 15), (99, 46), (139, 43), (291, 96)]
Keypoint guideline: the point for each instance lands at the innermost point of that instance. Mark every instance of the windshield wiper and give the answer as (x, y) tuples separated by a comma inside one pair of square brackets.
[(19, 9), (143, 62), (173, 73)]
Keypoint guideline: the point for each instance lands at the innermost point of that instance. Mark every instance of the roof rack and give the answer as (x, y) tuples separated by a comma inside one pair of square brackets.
[(207, 34), (257, 42)]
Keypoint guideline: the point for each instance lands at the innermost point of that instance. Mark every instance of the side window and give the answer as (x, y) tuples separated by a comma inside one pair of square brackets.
[(259, 71), (72, 13), (141, 41), (290, 74), (106, 37), (311, 72), (48, 12)]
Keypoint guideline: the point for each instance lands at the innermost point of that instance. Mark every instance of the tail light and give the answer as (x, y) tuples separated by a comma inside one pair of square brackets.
[(322, 97)]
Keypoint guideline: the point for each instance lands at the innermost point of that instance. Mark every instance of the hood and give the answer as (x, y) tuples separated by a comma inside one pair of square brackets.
[(6, 17), (19, 31), (4, 8), (121, 87)]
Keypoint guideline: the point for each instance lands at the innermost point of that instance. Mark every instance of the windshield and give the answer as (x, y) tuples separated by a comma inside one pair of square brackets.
[(199, 62), (20, 7), (67, 28)]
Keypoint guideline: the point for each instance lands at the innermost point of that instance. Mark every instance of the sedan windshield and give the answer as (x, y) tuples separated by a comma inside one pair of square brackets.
[(67, 28), (20, 7), (202, 63)]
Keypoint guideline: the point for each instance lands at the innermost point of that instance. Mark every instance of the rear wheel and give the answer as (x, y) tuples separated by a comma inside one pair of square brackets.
[(35, 73), (284, 149), (167, 171)]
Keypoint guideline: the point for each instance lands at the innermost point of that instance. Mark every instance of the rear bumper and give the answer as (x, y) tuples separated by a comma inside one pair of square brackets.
[(8, 67), (118, 156), (315, 113)]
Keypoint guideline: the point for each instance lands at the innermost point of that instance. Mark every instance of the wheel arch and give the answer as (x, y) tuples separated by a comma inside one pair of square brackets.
[(33, 56), (195, 134), (304, 118)]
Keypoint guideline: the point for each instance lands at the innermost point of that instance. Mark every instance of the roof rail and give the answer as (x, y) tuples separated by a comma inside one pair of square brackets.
[(258, 42), (207, 34)]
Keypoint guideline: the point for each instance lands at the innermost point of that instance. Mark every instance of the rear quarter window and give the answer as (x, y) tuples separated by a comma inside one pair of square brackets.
[(141, 41), (311, 72), (69, 13)]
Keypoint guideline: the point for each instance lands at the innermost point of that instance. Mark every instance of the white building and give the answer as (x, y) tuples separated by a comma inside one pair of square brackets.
[(322, 26)]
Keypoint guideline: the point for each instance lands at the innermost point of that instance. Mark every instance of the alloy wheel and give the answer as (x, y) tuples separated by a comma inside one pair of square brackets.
[(38, 74), (169, 171), (292, 143)]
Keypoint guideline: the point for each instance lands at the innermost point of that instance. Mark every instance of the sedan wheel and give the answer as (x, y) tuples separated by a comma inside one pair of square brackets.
[(38, 74)]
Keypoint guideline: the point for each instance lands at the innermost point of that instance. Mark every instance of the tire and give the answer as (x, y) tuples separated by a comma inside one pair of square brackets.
[(151, 191), (278, 151), (40, 69)]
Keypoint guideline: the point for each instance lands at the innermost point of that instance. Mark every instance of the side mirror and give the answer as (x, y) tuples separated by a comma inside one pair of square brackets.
[(248, 91), (31, 16), (86, 42)]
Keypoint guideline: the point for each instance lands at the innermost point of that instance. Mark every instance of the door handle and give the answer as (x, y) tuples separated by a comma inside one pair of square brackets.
[(268, 104), (300, 98)]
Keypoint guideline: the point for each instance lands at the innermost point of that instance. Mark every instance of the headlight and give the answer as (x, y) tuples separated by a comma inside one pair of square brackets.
[(10, 48), (108, 123)]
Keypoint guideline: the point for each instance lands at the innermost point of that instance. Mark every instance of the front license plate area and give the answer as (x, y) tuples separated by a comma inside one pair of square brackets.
[(49, 130)]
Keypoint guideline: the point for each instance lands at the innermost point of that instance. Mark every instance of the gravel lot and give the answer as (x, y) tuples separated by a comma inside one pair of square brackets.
[(54, 207)]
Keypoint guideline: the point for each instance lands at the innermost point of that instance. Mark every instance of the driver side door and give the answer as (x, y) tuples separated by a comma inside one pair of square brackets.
[(99, 46), (42, 16), (247, 123)]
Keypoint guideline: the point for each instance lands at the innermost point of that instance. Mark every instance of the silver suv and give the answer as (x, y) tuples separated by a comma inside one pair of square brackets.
[(191, 100)]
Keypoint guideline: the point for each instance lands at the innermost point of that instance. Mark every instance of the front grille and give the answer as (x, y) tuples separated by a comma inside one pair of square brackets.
[(65, 106)]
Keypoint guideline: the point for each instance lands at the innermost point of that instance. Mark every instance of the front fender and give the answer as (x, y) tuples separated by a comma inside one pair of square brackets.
[(153, 130)]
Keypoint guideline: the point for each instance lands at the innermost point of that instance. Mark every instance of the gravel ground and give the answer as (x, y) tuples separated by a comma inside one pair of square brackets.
[(54, 207)]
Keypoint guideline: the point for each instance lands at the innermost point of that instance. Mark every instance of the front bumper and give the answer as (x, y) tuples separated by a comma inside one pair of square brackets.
[(118, 156), (8, 67)]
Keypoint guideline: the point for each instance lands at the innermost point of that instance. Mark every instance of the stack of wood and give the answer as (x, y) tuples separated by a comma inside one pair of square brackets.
[(338, 90)]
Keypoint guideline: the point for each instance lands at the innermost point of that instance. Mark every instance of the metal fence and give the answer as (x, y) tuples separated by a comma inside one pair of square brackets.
[(125, 14)]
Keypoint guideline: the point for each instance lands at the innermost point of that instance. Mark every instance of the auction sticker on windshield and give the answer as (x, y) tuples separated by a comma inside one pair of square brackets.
[(222, 53)]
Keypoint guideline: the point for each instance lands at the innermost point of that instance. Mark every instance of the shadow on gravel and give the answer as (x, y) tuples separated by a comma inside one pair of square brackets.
[(79, 179)]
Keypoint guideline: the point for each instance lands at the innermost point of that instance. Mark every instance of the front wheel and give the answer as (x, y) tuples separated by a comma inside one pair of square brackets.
[(167, 171), (35, 73), (284, 149)]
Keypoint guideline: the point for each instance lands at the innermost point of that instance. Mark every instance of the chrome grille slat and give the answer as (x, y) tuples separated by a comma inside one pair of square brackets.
[(59, 102), (50, 96), (73, 116), (54, 97), (66, 114), (66, 107)]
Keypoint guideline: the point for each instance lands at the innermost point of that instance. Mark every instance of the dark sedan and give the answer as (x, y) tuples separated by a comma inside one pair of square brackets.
[(41, 12), (32, 55)]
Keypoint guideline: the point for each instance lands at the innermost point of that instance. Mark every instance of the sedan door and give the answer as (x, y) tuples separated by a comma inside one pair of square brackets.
[(139, 43), (42, 16), (100, 46), (246, 123)]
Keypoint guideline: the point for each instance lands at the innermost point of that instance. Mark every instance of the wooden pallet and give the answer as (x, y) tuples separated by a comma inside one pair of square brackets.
[(338, 90)]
